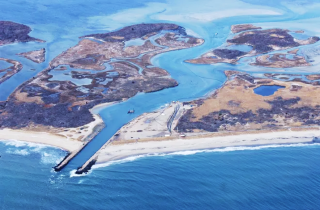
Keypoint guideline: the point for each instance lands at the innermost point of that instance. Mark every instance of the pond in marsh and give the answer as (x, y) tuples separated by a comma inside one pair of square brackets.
[(267, 90)]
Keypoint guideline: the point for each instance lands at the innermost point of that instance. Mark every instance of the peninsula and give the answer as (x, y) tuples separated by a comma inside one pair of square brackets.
[(11, 32), (101, 68), (243, 27), (245, 111), (37, 56), (14, 68)]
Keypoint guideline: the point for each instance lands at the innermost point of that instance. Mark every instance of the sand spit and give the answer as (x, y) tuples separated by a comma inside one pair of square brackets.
[(120, 151)]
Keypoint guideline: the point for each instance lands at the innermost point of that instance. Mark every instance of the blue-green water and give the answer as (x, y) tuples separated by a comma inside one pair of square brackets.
[(232, 178)]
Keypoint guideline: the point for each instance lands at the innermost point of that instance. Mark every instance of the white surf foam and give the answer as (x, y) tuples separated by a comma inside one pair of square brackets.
[(80, 181), (57, 180), (125, 160), (73, 173), (241, 148), (22, 152), (16, 143), (49, 155)]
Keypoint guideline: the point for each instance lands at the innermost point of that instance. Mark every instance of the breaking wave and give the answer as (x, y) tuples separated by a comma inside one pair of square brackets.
[(48, 154), (73, 173)]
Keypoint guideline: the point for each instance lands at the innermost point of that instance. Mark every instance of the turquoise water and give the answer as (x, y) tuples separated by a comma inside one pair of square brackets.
[(243, 178), (267, 90)]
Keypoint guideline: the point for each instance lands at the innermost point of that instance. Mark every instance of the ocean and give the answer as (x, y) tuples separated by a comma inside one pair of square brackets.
[(267, 177), (273, 177)]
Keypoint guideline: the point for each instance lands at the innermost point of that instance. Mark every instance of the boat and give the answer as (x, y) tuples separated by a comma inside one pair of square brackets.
[(131, 111)]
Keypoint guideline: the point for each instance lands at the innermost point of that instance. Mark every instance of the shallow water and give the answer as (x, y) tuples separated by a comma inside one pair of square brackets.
[(134, 42), (260, 178), (300, 36)]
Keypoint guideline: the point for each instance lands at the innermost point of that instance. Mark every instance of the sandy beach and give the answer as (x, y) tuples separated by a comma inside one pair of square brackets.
[(69, 139), (119, 151), (41, 138)]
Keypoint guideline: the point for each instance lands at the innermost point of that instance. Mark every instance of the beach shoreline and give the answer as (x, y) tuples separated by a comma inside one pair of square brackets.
[(44, 138), (68, 139), (113, 152)]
